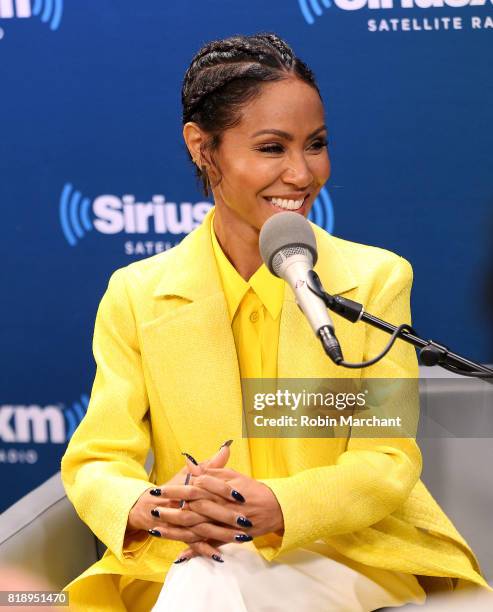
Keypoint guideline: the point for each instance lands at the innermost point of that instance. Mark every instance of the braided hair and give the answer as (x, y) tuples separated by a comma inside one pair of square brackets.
[(227, 74)]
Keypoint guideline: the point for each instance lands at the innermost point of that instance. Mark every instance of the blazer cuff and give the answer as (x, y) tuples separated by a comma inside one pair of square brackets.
[(271, 545), (134, 546), (123, 547)]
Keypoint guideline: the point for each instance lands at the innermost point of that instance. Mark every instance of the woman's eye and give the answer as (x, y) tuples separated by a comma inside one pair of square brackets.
[(320, 144), (277, 148), (271, 149)]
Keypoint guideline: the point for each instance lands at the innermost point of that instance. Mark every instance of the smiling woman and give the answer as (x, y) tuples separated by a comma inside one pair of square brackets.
[(322, 524), (254, 172)]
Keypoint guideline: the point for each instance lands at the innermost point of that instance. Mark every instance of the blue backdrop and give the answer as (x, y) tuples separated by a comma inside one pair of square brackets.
[(90, 139)]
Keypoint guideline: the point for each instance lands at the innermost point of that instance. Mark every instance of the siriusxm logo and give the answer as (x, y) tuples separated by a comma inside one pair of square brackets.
[(41, 424), (311, 9), (49, 11), (111, 214)]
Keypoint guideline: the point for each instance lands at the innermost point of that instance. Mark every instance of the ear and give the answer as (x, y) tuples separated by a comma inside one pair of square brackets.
[(194, 137)]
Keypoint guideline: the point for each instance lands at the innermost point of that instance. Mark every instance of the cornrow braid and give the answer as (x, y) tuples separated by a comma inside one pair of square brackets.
[(227, 74)]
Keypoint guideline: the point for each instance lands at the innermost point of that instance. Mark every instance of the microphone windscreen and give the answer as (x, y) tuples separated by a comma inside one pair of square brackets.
[(286, 230)]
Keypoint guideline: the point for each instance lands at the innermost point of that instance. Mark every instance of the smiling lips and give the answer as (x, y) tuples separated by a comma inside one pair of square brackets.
[(287, 204)]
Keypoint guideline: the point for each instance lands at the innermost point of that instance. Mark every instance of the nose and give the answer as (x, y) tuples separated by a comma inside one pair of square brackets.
[(298, 173)]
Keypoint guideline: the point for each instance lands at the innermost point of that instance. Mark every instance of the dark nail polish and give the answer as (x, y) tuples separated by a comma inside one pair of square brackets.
[(237, 495), (244, 522), (217, 558), (181, 559), (243, 537), (227, 443), (154, 532), (190, 457), (156, 492), (155, 512)]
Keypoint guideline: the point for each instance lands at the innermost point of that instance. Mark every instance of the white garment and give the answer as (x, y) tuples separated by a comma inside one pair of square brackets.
[(297, 580)]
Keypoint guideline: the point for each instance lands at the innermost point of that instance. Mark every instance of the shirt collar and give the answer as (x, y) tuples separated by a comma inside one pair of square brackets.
[(268, 288)]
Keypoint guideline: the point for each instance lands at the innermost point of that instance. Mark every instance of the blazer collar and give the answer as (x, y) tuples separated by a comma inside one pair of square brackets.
[(194, 275)]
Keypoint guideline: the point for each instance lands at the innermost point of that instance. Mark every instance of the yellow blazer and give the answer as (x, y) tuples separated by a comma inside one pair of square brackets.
[(167, 378)]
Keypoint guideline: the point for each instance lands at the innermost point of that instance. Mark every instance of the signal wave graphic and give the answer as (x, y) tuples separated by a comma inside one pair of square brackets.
[(74, 214), (322, 212), (308, 7), (75, 413), (49, 11)]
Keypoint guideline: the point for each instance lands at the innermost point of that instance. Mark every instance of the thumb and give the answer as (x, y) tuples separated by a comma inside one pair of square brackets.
[(192, 466), (221, 458)]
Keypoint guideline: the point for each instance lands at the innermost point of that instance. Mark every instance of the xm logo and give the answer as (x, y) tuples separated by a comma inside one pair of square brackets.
[(322, 212), (311, 9), (52, 424), (49, 11)]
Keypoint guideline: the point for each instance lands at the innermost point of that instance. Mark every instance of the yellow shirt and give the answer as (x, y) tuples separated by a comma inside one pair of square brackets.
[(254, 308)]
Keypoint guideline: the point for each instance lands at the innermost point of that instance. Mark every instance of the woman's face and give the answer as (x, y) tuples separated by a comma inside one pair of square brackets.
[(276, 159)]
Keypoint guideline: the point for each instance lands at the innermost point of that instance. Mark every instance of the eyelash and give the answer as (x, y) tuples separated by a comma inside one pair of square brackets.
[(274, 148)]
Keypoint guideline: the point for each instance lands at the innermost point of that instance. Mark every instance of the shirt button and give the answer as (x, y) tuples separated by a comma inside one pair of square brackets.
[(254, 316)]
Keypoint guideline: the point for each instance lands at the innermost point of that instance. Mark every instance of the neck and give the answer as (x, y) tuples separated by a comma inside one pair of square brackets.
[(239, 242)]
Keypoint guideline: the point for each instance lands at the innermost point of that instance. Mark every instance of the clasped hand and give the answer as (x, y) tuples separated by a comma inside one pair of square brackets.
[(220, 505)]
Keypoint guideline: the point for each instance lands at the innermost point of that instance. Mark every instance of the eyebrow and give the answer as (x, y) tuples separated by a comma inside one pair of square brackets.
[(286, 135)]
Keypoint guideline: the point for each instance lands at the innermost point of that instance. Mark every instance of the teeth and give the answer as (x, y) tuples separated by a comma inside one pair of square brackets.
[(287, 204)]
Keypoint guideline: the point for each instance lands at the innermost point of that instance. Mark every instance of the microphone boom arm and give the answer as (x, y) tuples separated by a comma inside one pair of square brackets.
[(430, 353)]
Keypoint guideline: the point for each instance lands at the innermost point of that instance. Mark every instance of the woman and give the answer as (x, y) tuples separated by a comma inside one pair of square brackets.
[(175, 332)]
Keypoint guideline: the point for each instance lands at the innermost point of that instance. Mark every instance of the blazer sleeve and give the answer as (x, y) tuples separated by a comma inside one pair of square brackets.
[(103, 466), (374, 476)]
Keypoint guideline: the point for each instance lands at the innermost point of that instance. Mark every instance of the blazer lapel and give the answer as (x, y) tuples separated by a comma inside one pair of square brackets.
[(191, 354)]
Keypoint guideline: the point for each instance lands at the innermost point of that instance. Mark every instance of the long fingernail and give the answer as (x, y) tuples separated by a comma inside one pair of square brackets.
[(190, 458), (244, 522), (227, 443), (237, 495), (156, 492), (243, 537), (155, 512), (217, 558), (181, 559), (154, 532)]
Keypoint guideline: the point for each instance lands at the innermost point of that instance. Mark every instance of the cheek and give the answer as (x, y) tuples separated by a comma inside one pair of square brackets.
[(246, 175), (321, 168)]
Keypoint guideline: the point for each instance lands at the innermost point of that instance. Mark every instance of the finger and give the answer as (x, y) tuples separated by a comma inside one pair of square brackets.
[(192, 466), (158, 498), (218, 460), (206, 549), (177, 516), (186, 555), (218, 487), (221, 458), (221, 472), (180, 534), (209, 531), (226, 514), (179, 492)]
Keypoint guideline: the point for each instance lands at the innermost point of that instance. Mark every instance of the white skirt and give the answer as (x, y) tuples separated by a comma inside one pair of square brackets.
[(301, 579)]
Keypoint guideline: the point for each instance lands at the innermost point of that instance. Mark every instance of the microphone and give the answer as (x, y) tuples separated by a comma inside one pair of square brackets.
[(289, 249)]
